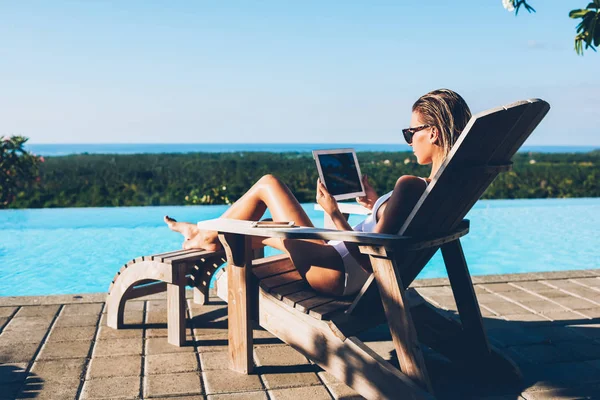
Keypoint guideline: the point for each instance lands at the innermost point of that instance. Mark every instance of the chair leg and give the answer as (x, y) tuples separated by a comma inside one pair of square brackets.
[(176, 306), (397, 311), (466, 300), (239, 264)]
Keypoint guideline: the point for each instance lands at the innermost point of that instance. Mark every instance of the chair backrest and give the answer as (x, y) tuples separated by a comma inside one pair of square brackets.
[(490, 138)]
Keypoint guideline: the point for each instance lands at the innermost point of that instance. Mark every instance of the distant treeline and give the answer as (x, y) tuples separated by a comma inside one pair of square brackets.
[(100, 180)]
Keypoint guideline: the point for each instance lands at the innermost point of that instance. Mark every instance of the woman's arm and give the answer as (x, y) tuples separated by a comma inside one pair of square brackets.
[(330, 206)]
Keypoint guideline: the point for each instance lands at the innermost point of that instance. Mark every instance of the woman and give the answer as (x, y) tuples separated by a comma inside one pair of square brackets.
[(338, 268)]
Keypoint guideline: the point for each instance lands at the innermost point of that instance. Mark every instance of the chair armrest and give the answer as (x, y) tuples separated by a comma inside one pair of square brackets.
[(349, 208), (224, 225)]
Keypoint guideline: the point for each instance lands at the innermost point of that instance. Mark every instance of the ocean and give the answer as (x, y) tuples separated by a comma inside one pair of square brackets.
[(140, 148)]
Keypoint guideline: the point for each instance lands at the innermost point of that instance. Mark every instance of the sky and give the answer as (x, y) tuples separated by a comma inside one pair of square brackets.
[(282, 72)]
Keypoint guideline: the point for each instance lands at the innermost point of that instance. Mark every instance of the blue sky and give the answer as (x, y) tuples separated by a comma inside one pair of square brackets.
[(279, 71)]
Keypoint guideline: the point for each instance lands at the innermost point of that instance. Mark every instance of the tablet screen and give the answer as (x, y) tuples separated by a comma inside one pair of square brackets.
[(340, 173)]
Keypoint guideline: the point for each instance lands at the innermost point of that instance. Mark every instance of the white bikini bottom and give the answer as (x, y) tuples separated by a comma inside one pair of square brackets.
[(356, 276)]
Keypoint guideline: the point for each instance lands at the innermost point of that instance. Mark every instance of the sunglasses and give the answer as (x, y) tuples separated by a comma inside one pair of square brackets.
[(410, 132)]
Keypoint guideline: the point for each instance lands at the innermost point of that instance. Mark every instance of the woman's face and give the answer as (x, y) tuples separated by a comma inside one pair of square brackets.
[(422, 141)]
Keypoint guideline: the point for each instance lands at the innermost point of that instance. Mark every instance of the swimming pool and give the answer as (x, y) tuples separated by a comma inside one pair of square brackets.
[(78, 250)]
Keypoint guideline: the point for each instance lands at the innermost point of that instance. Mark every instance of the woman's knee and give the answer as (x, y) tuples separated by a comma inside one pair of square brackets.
[(269, 180)]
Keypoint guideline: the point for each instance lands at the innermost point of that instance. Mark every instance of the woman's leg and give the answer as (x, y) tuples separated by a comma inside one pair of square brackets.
[(318, 262)]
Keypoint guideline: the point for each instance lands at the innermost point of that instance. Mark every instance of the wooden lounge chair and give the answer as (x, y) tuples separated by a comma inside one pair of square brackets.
[(324, 328)]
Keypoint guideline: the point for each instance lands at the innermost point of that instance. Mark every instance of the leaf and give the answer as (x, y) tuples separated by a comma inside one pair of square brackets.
[(578, 13)]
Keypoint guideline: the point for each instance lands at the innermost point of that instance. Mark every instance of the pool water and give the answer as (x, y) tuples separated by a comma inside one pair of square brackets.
[(78, 250)]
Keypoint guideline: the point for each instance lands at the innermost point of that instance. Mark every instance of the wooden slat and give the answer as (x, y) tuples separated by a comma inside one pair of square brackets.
[(293, 298), (306, 305), (276, 266), (284, 290), (197, 255), (327, 310), (146, 290), (279, 280)]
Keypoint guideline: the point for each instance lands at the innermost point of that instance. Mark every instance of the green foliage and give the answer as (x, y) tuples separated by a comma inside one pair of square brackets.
[(588, 30), (18, 169), (210, 178)]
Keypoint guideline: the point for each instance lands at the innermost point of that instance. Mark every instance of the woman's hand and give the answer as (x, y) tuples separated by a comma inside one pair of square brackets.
[(370, 197), (325, 199)]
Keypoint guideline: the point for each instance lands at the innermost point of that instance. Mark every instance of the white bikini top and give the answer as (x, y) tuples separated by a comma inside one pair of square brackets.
[(368, 224)]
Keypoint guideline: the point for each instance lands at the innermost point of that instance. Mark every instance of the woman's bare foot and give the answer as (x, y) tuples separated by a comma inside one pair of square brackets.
[(194, 237), (185, 228)]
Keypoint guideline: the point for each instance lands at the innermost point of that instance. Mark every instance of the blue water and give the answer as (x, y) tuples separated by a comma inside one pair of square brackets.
[(77, 250), (135, 148)]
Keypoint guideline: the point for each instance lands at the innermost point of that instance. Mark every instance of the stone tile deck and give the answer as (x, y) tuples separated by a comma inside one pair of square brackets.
[(59, 347)]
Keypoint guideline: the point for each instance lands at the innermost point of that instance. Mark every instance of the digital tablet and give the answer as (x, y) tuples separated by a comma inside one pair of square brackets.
[(339, 171)]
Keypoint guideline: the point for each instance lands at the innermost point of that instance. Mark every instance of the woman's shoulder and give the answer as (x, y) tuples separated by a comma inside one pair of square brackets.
[(411, 181)]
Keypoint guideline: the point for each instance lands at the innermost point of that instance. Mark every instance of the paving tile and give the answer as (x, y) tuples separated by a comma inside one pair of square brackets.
[(82, 309), (527, 318), (338, 389), (107, 333), (289, 379), (557, 333), (3, 322), (210, 333), (156, 317), (9, 391), (156, 305), (565, 317), (560, 375), (161, 346), (514, 335), (591, 331), (214, 360), (592, 282), (19, 336), (501, 287), (157, 332), (107, 367), (580, 351), (506, 308), (310, 392), (118, 347), (543, 353), (543, 306), (17, 354), (111, 388), (206, 344), (58, 350), (575, 303), (135, 318), (172, 384), (278, 356), (38, 311), (56, 370), (64, 321), (533, 286), (239, 396), (28, 323), (49, 390), (72, 333), (7, 311), (171, 363), (12, 372), (228, 381), (199, 397)]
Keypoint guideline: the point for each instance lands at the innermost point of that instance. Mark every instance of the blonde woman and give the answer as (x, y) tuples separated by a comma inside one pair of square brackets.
[(338, 268)]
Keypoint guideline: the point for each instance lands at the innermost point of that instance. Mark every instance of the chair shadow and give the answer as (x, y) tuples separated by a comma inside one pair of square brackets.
[(16, 381), (552, 356)]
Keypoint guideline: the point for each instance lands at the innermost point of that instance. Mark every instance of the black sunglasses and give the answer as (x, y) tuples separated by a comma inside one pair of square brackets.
[(410, 132)]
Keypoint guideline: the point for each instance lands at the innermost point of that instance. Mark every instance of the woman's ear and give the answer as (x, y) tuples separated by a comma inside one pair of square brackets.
[(434, 136)]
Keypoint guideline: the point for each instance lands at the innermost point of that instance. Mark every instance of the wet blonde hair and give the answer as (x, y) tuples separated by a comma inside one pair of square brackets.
[(447, 111)]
